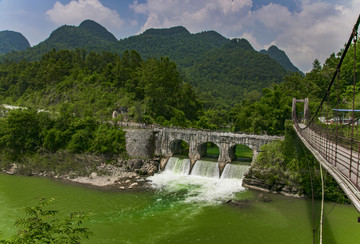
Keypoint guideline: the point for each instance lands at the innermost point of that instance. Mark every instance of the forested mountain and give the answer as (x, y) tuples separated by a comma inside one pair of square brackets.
[(177, 43), (222, 71), (92, 84), (231, 71), (12, 41), (88, 35), (229, 79), (281, 57), (221, 68)]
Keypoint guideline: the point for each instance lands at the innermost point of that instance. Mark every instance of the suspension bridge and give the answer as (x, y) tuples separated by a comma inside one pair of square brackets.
[(335, 143)]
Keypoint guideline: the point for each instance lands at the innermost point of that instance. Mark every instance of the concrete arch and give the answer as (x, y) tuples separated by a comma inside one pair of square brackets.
[(176, 147), (232, 150), (202, 148)]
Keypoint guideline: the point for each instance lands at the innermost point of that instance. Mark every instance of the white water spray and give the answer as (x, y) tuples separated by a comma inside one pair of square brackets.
[(203, 185)]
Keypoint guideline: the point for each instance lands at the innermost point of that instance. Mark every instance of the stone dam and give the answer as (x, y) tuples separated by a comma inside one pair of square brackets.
[(165, 142)]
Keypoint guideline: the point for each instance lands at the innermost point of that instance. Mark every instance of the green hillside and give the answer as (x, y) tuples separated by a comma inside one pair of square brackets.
[(234, 70), (12, 41), (88, 35), (177, 43), (174, 77), (281, 57)]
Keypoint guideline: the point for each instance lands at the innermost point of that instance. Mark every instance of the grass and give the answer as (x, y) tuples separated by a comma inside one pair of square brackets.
[(241, 151)]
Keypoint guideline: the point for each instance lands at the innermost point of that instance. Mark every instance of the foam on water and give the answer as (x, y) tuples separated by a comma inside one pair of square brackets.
[(197, 189)]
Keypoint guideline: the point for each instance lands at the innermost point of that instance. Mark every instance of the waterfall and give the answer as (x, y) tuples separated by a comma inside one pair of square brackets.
[(203, 184), (178, 165), (234, 171), (206, 168)]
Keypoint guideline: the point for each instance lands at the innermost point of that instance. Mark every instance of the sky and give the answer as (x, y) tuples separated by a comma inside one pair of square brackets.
[(305, 29)]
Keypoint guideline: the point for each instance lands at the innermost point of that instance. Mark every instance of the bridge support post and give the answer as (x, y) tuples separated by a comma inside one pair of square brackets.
[(224, 157), (306, 109), (255, 154), (194, 153)]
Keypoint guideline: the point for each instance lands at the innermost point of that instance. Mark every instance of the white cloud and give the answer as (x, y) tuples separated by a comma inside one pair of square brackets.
[(249, 36), (78, 10), (195, 15), (315, 30)]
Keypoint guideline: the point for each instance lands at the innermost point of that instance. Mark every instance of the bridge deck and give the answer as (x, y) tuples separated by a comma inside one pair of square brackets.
[(338, 160)]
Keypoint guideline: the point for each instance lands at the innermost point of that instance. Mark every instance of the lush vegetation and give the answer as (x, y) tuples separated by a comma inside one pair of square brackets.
[(44, 142), (95, 85), (12, 41), (88, 34), (280, 56), (154, 91), (222, 69), (43, 226), (290, 162)]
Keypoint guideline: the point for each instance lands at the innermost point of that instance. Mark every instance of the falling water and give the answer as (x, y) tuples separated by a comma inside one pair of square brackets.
[(234, 171), (202, 185), (178, 165), (206, 169)]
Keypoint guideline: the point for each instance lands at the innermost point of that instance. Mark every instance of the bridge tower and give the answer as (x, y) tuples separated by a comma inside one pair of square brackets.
[(306, 109)]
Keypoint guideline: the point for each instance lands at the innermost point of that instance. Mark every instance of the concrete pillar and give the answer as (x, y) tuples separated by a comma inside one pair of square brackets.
[(194, 153), (224, 157), (232, 151), (202, 149), (306, 110), (255, 154), (293, 109)]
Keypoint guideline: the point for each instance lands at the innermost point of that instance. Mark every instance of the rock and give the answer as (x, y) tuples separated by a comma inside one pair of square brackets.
[(263, 198), (134, 184), (93, 175), (136, 164), (127, 181), (286, 189), (238, 203), (122, 188)]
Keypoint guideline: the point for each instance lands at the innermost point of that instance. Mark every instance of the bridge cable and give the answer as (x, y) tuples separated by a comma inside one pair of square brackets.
[(322, 204), (336, 71), (312, 199)]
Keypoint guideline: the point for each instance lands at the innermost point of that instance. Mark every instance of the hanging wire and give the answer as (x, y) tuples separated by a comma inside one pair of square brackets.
[(336, 72), (353, 104)]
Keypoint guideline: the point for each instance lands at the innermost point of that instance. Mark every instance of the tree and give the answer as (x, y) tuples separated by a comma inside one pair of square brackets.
[(42, 226), (20, 133)]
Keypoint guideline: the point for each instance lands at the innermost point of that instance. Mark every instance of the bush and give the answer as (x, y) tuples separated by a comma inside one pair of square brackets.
[(108, 140), (42, 226), (80, 141), (54, 140), (20, 133)]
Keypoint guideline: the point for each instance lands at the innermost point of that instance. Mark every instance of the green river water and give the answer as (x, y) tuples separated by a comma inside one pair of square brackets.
[(181, 209)]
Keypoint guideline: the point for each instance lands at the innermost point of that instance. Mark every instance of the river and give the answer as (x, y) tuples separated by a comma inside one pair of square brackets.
[(181, 209)]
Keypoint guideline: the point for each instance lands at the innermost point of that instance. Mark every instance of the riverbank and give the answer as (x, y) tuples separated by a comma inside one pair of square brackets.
[(276, 182), (98, 171)]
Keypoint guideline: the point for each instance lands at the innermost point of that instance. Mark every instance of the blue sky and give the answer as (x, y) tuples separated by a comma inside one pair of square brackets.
[(304, 29)]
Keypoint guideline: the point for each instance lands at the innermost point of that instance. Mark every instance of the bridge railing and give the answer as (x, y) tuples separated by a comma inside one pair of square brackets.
[(336, 146)]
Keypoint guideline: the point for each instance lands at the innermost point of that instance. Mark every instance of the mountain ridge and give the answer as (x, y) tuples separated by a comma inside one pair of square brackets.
[(281, 57), (215, 64), (12, 41)]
